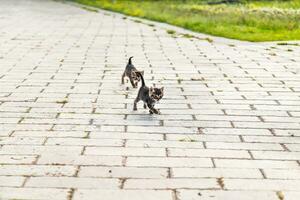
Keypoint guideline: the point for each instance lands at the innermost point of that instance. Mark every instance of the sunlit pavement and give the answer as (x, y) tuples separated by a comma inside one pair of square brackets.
[(230, 122)]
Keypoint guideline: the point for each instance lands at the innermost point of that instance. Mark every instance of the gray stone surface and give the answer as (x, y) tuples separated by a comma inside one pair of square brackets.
[(229, 129)]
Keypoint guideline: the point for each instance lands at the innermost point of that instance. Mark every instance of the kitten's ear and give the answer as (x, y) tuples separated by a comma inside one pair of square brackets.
[(151, 90), (162, 89), (142, 72)]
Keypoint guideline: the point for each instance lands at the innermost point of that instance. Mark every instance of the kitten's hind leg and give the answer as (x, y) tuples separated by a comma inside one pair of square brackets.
[(123, 76), (135, 102)]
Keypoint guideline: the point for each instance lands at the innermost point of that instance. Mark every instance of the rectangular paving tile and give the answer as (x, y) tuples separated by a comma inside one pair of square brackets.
[(72, 182), (85, 194), (171, 184), (168, 162), (219, 195), (33, 193), (215, 173), (68, 129), (123, 172)]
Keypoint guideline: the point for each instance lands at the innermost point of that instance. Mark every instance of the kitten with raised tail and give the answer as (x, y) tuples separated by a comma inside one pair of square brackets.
[(149, 96), (131, 73)]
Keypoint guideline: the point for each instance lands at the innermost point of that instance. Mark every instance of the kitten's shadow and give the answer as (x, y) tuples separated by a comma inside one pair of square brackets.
[(142, 114)]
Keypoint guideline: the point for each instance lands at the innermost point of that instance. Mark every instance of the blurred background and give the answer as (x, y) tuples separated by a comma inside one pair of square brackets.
[(251, 20)]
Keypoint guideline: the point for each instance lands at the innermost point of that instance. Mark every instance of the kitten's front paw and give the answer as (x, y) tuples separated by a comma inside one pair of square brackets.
[(157, 112), (154, 111)]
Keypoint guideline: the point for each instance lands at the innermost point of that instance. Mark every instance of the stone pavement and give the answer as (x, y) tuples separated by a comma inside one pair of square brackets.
[(230, 123)]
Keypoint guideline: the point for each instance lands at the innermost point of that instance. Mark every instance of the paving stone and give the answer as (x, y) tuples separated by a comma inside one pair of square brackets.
[(281, 125), (72, 182), (286, 132), (226, 118), (54, 159), (17, 159), (37, 150), (221, 195), (293, 147), (21, 141), (5, 133), (208, 153), (243, 146), (282, 173), (256, 113), (83, 194), (291, 195), (203, 138), (276, 155), (162, 129), (51, 134), (215, 173), (252, 184), (25, 127), (168, 162), (84, 142), (127, 135), (295, 140), (236, 131), (123, 172), (209, 124), (268, 164), (171, 184), (11, 181), (122, 151), (33, 193), (36, 170), (161, 144), (68, 129)]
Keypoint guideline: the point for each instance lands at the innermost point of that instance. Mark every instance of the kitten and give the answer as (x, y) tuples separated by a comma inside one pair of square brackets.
[(149, 96), (131, 73)]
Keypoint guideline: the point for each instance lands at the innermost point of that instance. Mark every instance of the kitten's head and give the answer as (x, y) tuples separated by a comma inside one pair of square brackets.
[(136, 77), (156, 93)]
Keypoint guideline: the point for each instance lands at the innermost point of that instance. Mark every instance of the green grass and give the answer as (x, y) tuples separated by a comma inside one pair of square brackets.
[(89, 9), (264, 20)]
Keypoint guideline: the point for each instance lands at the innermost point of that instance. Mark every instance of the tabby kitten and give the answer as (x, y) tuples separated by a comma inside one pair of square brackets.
[(131, 73), (149, 96)]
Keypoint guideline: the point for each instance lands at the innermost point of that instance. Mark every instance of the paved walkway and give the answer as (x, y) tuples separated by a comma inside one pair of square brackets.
[(230, 123)]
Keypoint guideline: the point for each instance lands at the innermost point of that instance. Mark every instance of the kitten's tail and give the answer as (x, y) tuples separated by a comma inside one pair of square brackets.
[(129, 60), (142, 78)]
